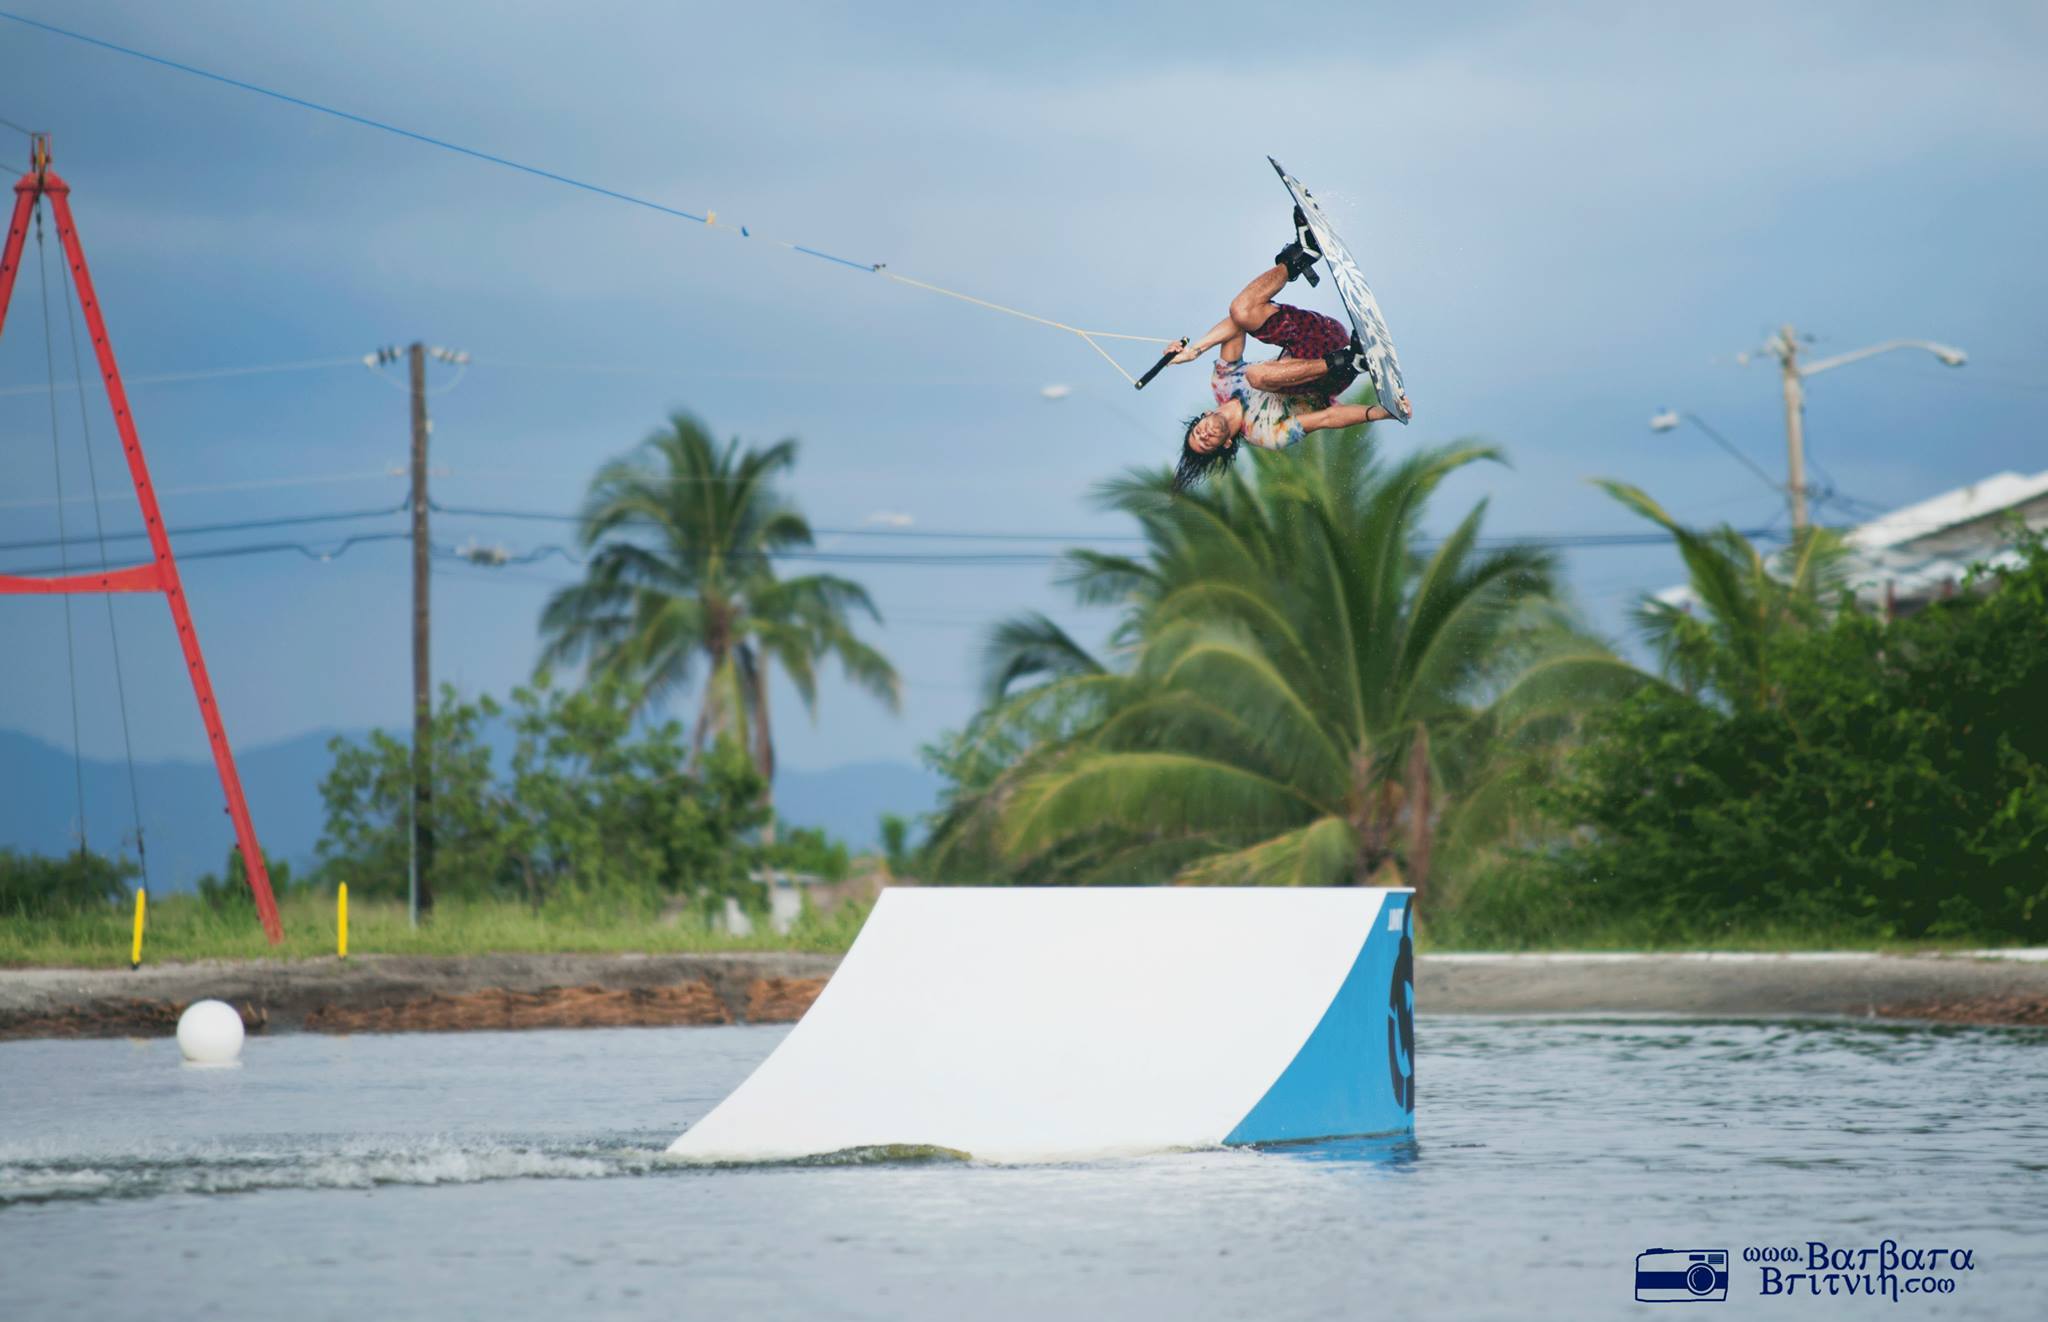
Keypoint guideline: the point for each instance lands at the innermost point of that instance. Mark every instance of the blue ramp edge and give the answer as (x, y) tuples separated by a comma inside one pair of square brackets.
[(1356, 1072)]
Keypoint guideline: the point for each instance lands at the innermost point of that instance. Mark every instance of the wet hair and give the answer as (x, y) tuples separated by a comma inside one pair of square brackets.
[(1194, 465)]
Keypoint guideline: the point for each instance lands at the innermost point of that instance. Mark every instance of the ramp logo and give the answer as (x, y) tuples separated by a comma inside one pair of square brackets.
[(1401, 1026), (1681, 1276)]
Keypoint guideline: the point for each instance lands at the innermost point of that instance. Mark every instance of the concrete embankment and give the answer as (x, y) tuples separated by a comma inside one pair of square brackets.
[(2005, 988), (391, 993), (402, 993)]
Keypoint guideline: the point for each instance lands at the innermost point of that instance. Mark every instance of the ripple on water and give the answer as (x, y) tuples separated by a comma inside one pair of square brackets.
[(213, 1169), (1548, 1152)]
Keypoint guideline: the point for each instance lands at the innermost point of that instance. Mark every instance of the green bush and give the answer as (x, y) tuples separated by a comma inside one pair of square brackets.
[(809, 850), (229, 891), (598, 808), (33, 886), (1894, 783)]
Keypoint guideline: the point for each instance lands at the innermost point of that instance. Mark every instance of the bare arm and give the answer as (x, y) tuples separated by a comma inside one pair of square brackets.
[(1225, 332), (1248, 312)]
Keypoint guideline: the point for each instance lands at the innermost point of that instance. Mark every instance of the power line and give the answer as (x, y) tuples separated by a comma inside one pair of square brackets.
[(708, 219), (1556, 540), (929, 559), (550, 516), (1563, 541), (529, 365), (721, 374), (215, 488), (259, 548), (205, 374), (237, 525)]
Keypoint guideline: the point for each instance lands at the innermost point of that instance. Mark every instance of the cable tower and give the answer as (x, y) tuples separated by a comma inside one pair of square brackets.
[(160, 573)]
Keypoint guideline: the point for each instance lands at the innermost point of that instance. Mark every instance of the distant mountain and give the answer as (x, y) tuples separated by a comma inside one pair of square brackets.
[(848, 801), (186, 828), (184, 819)]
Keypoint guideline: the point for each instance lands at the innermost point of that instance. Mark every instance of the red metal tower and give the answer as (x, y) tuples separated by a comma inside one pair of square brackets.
[(161, 573)]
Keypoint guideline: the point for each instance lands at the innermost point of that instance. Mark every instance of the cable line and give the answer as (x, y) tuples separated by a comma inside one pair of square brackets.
[(709, 218), (57, 465), (100, 530)]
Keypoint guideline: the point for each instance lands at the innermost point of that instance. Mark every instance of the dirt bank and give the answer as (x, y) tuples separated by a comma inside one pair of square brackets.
[(402, 993), (388, 993)]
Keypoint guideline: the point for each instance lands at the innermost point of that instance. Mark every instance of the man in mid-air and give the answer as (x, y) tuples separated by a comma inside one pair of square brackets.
[(1275, 403)]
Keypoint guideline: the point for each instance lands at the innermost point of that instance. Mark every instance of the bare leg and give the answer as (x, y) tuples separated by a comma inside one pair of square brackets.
[(1284, 374), (1248, 311), (1254, 303)]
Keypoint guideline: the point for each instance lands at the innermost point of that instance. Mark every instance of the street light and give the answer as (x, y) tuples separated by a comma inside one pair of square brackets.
[(1669, 420), (1784, 346), (1948, 354)]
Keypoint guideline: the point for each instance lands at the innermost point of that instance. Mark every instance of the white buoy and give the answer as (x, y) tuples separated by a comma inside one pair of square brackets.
[(210, 1033)]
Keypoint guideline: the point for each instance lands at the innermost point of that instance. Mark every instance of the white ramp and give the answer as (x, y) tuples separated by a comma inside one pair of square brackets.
[(1032, 1023)]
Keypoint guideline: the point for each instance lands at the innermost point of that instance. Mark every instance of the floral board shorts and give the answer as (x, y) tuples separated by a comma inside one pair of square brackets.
[(1299, 333)]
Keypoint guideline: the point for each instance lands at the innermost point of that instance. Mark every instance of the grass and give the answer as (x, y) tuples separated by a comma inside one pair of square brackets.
[(1450, 928), (182, 928), (1486, 906), (1446, 933)]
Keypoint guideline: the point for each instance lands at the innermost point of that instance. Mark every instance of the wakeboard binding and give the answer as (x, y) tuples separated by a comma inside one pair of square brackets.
[(1351, 358), (1300, 257)]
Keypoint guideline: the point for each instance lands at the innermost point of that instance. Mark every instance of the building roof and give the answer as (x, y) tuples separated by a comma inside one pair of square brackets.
[(1981, 500), (1918, 551)]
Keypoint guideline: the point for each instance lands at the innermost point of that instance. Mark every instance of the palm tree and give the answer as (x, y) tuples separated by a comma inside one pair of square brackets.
[(682, 535), (1301, 696), (1747, 602)]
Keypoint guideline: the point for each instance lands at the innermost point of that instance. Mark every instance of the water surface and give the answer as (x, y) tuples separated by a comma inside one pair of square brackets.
[(518, 1176)]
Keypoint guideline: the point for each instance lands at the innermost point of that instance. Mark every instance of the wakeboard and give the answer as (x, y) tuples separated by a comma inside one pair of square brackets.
[(1368, 324)]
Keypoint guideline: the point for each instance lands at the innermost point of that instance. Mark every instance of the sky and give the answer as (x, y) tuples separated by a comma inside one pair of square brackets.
[(1574, 216)]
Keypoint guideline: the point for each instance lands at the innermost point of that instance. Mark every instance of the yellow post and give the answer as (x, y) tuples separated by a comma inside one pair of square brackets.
[(341, 919), (135, 951)]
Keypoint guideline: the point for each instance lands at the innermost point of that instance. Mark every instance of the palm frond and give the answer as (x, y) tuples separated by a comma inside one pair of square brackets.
[(1322, 853), (1031, 647), (1141, 792)]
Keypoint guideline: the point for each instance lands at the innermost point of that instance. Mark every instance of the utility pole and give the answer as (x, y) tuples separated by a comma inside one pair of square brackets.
[(1795, 424), (422, 850), (1784, 346), (419, 816)]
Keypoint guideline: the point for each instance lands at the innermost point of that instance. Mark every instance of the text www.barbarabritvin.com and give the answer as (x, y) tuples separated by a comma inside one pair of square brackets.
[(1886, 1271)]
